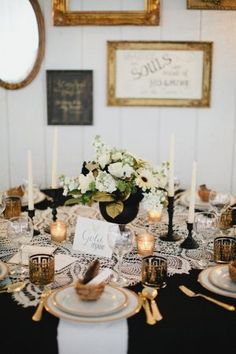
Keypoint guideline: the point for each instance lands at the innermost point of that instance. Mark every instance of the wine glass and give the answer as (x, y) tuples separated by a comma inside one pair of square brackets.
[(205, 225), (219, 200), (20, 231), (121, 242), (2, 203)]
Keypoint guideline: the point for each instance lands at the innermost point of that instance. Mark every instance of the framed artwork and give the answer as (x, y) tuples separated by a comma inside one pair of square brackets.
[(70, 97), (211, 4), (159, 73), (65, 14)]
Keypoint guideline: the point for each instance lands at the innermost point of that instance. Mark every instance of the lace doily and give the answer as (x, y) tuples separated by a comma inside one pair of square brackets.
[(179, 261)]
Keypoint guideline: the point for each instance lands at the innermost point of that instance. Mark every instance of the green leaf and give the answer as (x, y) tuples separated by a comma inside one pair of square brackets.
[(73, 201), (114, 209), (103, 197)]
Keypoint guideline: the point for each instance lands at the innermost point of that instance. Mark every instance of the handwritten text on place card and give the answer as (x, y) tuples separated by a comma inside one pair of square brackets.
[(91, 237)]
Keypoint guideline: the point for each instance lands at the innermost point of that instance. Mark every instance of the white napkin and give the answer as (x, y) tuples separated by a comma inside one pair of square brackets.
[(63, 260), (28, 250), (90, 338)]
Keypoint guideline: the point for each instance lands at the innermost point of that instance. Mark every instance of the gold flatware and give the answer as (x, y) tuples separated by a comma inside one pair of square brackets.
[(38, 313), (151, 295), (190, 293), (14, 287), (149, 317)]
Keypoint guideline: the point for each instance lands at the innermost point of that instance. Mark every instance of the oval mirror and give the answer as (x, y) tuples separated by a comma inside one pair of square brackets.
[(22, 39)]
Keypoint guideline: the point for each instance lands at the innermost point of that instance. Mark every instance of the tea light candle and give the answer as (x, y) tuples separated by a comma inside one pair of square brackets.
[(58, 231), (145, 244), (154, 216)]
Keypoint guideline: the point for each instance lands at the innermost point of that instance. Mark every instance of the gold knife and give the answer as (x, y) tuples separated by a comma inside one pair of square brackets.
[(149, 317)]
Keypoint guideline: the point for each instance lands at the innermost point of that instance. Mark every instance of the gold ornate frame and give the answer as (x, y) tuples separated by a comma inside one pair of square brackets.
[(211, 4), (63, 17), (128, 98), (40, 54)]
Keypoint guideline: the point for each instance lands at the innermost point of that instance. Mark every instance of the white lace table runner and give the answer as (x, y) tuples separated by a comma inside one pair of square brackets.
[(179, 260)]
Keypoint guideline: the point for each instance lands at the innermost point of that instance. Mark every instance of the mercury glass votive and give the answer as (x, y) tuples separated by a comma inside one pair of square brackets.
[(154, 216), (145, 244), (58, 231)]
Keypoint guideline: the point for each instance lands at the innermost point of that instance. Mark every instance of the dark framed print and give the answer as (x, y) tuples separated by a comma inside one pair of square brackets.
[(159, 73), (69, 97)]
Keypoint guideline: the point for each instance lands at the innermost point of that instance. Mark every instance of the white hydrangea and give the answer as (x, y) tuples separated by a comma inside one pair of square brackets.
[(153, 200), (69, 184), (119, 170), (85, 182), (105, 182)]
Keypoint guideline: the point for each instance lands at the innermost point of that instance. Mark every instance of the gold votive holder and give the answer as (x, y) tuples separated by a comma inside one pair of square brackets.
[(58, 231), (154, 216), (154, 272), (224, 249), (13, 207), (41, 269), (145, 244)]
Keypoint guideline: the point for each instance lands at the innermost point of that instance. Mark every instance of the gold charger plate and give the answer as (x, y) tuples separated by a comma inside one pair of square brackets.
[(133, 306)]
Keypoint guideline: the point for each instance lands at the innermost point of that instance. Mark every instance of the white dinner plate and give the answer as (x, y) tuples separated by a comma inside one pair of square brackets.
[(199, 204), (38, 197), (112, 300), (219, 276), (133, 306), (3, 270), (203, 279), (185, 198)]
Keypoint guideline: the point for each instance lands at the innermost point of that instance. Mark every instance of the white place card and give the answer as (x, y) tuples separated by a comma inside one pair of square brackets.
[(91, 237)]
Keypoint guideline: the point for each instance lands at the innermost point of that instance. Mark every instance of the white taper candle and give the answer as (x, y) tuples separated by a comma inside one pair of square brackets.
[(192, 193), (30, 183), (54, 158), (171, 166)]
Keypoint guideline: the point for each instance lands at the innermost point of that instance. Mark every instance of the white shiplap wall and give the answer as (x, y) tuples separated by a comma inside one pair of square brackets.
[(207, 134)]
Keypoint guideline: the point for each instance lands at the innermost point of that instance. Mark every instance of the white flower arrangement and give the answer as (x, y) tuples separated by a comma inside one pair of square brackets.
[(112, 176)]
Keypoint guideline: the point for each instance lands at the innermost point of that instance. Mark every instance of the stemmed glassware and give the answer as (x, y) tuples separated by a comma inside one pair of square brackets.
[(219, 200), (121, 242), (20, 231), (205, 225), (2, 203)]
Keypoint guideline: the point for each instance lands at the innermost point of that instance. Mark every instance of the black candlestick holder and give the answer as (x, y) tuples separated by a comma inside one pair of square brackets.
[(170, 236), (189, 243), (55, 194), (31, 214)]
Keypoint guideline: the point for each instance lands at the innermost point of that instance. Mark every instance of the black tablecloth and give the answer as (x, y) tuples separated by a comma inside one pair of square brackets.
[(189, 325)]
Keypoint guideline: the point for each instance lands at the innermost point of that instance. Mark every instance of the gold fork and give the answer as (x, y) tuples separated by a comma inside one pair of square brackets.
[(190, 293), (38, 313)]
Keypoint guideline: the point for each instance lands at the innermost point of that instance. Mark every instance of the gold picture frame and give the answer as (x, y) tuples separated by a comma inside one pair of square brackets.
[(62, 16), (159, 73), (211, 4)]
